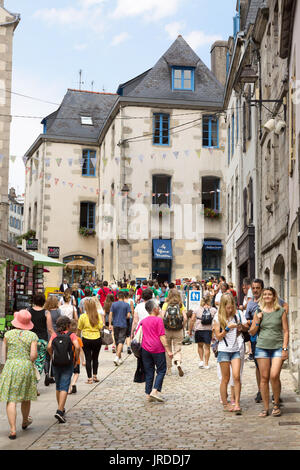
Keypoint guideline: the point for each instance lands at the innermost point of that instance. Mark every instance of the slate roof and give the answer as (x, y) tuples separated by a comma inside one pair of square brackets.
[(254, 6), (66, 121), (157, 82)]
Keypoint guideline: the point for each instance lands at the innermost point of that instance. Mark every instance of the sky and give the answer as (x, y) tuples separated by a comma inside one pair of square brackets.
[(111, 41)]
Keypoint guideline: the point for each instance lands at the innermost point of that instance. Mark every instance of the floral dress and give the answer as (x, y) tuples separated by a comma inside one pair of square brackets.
[(18, 378)]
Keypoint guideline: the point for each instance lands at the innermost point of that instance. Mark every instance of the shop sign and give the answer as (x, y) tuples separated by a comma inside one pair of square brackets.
[(53, 251), (32, 244)]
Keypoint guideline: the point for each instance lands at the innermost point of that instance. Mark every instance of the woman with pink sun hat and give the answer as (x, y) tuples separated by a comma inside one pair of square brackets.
[(18, 378)]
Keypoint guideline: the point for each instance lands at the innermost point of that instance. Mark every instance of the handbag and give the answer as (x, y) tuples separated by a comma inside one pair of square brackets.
[(136, 343), (106, 337)]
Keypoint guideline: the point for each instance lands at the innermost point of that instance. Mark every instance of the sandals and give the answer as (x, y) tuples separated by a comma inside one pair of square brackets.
[(89, 381), (237, 411), (227, 408), (12, 436), (264, 414), (29, 422), (276, 410), (95, 378)]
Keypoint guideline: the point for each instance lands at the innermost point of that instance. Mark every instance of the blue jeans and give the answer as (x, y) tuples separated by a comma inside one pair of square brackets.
[(228, 356), (261, 353), (150, 361), (63, 376)]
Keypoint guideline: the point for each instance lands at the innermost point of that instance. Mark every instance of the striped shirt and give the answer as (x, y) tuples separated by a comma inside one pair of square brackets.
[(231, 337)]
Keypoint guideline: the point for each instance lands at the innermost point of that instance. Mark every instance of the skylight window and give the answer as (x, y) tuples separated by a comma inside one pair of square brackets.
[(86, 120)]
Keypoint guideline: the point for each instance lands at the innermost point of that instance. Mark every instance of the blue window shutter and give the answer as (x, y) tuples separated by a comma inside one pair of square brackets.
[(88, 167), (232, 135), (210, 131), (161, 129)]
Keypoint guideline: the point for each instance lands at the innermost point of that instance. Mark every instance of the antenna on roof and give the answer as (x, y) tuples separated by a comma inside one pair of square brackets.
[(103, 89), (92, 85), (80, 82)]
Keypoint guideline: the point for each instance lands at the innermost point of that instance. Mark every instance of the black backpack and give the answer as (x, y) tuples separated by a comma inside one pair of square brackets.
[(62, 348), (207, 317), (173, 320)]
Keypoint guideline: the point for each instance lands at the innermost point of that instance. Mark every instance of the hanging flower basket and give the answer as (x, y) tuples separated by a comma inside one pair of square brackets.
[(87, 232), (211, 213)]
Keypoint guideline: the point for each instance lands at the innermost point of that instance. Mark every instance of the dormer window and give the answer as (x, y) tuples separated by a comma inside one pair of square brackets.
[(86, 120), (183, 78)]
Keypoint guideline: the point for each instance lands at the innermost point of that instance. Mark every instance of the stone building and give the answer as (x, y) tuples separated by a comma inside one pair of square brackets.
[(8, 23), (241, 150), (62, 180), (162, 155), (15, 217), (289, 50)]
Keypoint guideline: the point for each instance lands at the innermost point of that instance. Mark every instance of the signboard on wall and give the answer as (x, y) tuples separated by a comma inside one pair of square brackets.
[(53, 251), (32, 244)]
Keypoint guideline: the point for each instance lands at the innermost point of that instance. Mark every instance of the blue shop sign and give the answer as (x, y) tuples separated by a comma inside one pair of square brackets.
[(162, 249), (212, 245)]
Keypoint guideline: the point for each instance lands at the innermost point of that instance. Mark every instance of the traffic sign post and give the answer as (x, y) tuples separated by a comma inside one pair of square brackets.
[(194, 299)]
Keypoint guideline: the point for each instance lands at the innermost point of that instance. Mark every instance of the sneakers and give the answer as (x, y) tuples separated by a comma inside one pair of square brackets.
[(60, 416), (157, 397), (206, 367), (258, 398), (118, 361), (180, 371), (113, 350), (201, 364)]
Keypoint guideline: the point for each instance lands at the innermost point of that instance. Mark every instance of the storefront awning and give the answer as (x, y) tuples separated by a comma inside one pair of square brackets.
[(162, 249), (43, 260), (212, 245)]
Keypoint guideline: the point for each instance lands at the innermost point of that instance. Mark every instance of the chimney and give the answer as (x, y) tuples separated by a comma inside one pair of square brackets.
[(218, 55), (2, 3)]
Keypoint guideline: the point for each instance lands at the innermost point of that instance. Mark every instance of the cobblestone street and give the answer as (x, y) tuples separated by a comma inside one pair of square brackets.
[(113, 414)]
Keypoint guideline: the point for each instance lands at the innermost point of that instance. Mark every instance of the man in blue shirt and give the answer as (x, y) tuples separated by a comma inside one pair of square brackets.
[(119, 313)]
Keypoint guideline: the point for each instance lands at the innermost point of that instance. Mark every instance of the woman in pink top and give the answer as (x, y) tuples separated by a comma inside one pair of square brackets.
[(154, 349)]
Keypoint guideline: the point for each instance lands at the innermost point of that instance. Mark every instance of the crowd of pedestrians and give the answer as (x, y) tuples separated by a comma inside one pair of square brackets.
[(59, 334)]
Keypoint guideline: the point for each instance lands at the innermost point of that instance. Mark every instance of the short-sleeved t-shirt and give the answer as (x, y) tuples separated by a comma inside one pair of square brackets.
[(87, 330), (199, 312), (120, 311), (73, 337), (153, 328)]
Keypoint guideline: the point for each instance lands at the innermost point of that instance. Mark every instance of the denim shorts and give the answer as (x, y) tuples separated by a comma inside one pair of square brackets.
[(261, 353), (63, 376), (228, 356)]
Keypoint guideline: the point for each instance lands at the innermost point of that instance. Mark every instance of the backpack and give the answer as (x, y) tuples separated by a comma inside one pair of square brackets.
[(173, 320), (207, 317), (62, 348)]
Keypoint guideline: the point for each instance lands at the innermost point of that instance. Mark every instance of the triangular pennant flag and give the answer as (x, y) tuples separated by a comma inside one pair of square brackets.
[(187, 152), (70, 161), (41, 174), (64, 183), (24, 160), (33, 172), (58, 161), (152, 156), (104, 162), (47, 161), (164, 156), (97, 192), (176, 154), (48, 177), (117, 160), (141, 158), (92, 190), (198, 153), (56, 180), (13, 158), (210, 150), (84, 187)]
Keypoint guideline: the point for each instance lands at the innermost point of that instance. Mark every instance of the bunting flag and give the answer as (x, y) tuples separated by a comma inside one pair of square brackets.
[(176, 155), (198, 153), (41, 175), (164, 156), (117, 160), (47, 161), (141, 158), (24, 160), (58, 161), (13, 158), (56, 180), (70, 161), (48, 177), (187, 153), (152, 156)]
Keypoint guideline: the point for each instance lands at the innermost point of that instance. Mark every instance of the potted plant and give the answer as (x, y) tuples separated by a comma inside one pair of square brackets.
[(87, 232), (211, 213)]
